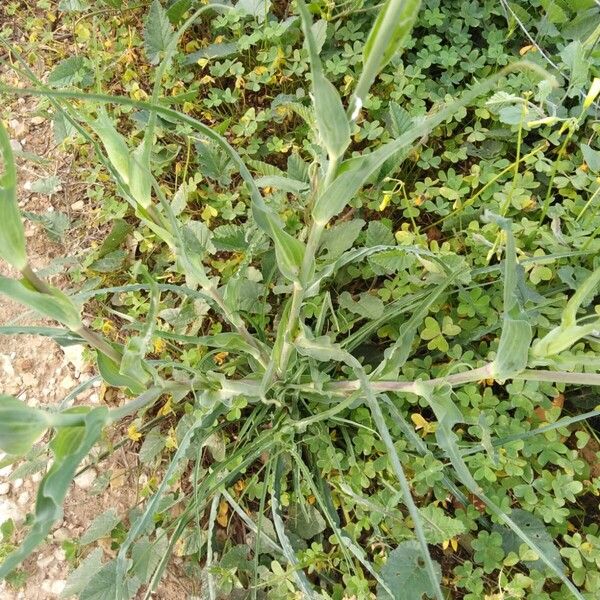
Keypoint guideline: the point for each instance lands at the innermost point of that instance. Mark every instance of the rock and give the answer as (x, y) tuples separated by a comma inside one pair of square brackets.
[(19, 128), (9, 510), (16, 145), (23, 498), (28, 379), (54, 588), (86, 479), (4, 488), (79, 205), (17, 483), (62, 534), (45, 561), (74, 356), (37, 120)]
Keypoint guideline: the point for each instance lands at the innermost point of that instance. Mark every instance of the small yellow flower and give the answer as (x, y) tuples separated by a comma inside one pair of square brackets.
[(220, 357), (171, 441), (222, 518), (453, 542), (133, 434), (423, 424), (107, 327), (159, 345), (208, 213), (166, 409), (387, 197)]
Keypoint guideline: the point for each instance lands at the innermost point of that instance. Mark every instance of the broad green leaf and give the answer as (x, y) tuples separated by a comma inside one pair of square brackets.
[(69, 447), (100, 527), (55, 223), (65, 72), (12, 235), (153, 444), (438, 526), (119, 231), (255, 8), (105, 586), (81, 576), (405, 574), (55, 305), (158, 32), (110, 373), (390, 30), (20, 425), (367, 306), (340, 237), (305, 521), (591, 157), (146, 555), (537, 531), (127, 164), (289, 252), (516, 336), (568, 332), (332, 123)]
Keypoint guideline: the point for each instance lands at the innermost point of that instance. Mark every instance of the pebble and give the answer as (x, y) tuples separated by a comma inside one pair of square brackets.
[(86, 479), (54, 588), (28, 379), (4, 488), (79, 205), (37, 120), (44, 561), (19, 128), (62, 534), (17, 483), (9, 510), (16, 145), (23, 498)]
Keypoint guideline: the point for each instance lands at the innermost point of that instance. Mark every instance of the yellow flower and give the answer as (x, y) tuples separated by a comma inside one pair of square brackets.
[(208, 213), (166, 409), (171, 441), (222, 518), (133, 434), (159, 345), (453, 542), (220, 357), (387, 197), (423, 424)]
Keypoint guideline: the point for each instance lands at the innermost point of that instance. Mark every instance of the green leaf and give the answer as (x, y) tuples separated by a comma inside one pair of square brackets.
[(438, 526), (110, 373), (105, 586), (55, 223), (81, 576), (340, 237), (306, 521), (69, 447), (288, 250), (12, 234), (405, 574), (332, 123), (158, 32), (536, 530), (147, 555), (390, 30), (55, 305), (153, 444), (100, 527), (256, 8), (65, 72), (20, 425), (591, 157), (367, 306), (128, 165)]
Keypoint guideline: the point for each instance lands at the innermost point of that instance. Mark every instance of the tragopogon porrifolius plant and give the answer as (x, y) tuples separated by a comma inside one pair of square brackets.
[(294, 377)]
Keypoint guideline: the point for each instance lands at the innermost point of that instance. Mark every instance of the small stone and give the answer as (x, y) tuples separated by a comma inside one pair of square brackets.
[(23, 498), (37, 120), (67, 383), (28, 379), (62, 534), (19, 128), (60, 555), (58, 586), (9, 510), (17, 483), (36, 477), (94, 399), (79, 205), (16, 145), (45, 561), (4, 488), (86, 479)]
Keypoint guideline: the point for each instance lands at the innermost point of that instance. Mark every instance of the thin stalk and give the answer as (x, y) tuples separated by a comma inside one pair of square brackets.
[(306, 271)]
